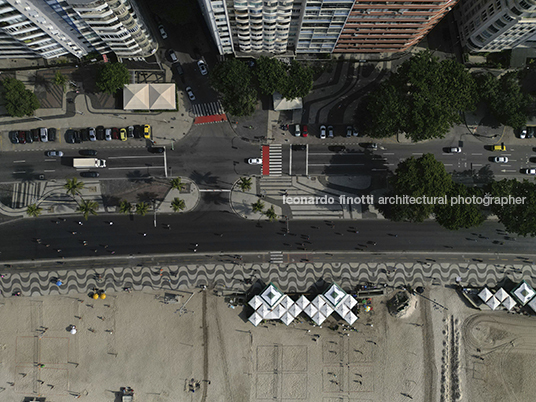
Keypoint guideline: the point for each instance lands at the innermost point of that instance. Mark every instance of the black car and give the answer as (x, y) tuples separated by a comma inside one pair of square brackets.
[(530, 131), (89, 174), (370, 145), (177, 68), (52, 134), (29, 137), (14, 137), (88, 152), (69, 137), (156, 150), (100, 133), (85, 134), (138, 131), (35, 134), (77, 136)]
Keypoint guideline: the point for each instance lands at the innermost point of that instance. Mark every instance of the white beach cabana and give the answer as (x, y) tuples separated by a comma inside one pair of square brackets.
[(485, 295), (493, 303), (501, 294), (255, 318), (523, 293), (509, 303), (255, 302)]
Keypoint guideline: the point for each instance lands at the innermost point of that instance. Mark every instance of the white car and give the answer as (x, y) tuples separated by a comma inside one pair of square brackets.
[(92, 135), (454, 150), (501, 159), (323, 132), (108, 134), (349, 131), (54, 153), (190, 93), (43, 134), (202, 67), (162, 31), (523, 133), (297, 131), (531, 171), (255, 161)]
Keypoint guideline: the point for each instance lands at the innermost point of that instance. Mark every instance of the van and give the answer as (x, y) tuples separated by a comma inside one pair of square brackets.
[(499, 147)]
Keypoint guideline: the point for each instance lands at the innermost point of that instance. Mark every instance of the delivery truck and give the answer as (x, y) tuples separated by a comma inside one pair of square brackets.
[(88, 163)]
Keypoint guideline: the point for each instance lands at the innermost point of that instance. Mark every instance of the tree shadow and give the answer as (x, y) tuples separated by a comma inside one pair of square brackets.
[(137, 175), (206, 178), (110, 200), (147, 197)]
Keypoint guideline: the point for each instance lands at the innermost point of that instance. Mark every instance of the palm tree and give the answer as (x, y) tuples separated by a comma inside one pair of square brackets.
[(73, 186), (125, 207), (34, 210), (244, 183), (270, 214), (178, 205), (177, 183), (87, 207), (142, 208), (258, 206)]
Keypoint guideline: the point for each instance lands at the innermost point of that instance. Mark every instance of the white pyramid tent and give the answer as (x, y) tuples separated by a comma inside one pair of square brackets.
[(287, 318), (493, 303), (485, 294), (255, 302), (509, 303), (302, 302), (255, 318), (501, 294)]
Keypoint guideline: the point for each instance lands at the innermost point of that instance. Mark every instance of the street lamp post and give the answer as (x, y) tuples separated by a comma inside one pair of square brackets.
[(154, 209)]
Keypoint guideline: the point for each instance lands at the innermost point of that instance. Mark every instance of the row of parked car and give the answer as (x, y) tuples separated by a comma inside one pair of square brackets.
[(33, 135), (527, 132), (325, 132), (100, 133)]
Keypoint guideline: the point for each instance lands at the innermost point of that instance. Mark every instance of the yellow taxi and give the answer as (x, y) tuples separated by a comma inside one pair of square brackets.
[(123, 134), (147, 131)]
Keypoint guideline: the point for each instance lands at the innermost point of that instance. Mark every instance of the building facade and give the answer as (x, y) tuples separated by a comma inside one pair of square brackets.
[(496, 25), (54, 28), (320, 26)]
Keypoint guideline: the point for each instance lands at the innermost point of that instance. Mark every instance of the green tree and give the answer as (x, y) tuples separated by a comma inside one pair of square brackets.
[(517, 218), (73, 186), (298, 82), (33, 210), (244, 183), (176, 183), (269, 72), (60, 80), (389, 112), (424, 176), (87, 207), (142, 208), (112, 77), (460, 215), (19, 101), (178, 205), (232, 78), (270, 214), (125, 207), (258, 206)]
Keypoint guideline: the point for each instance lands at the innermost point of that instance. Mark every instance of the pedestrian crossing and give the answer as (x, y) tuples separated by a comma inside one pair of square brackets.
[(207, 109), (26, 193), (276, 160), (277, 187), (276, 257)]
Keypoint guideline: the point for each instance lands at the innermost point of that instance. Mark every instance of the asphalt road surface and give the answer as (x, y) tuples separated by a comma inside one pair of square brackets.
[(204, 232)]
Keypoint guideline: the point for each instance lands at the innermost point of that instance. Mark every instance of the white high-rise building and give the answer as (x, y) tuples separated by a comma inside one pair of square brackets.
[(53, 28), (496, 25)]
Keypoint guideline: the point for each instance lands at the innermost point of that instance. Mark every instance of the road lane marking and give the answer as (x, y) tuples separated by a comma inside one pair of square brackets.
[(215, 190), (50, 160), (135, 167), (336, 164), (49, 171), (21, 161), (19, 171), (135, 157)]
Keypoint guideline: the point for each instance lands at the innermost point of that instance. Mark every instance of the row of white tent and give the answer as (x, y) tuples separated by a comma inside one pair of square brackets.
[(523, 293), (272, 304)]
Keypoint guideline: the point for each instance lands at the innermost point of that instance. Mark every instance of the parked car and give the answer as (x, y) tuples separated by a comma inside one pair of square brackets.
[(349, 131), (84, 134), (162, 31), (501, 159), (530, 131), (330, 132), (530, 171), (69, 137), (123, 134), (43, 133), (356, 132), (454, 150), (115, 133), (89, 174), (108, 134), (54, 153), (88, 152), (323, 132), (177, 68), (130, 132), (305, 132), (147, 131), (255, 161), (29, 137), (172, 56), (35, 134), (14, 137), (22, 137), (100, 133), (92, 134), (156, 150), (297, 131), (52, 134), (370, 145), (138, 131), (523, 133), (77, 136), (202, 67), (190, 93)]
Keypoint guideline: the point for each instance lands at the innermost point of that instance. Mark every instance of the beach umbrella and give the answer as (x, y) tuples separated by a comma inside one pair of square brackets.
[(59, 283), (103, 295), (367, 308), (95, 296)]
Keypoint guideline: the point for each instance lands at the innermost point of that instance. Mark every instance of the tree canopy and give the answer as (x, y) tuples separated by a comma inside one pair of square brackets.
[(460, 215), (291, 81), (423, 99), (19, 101), (112, 77), (232, 78)]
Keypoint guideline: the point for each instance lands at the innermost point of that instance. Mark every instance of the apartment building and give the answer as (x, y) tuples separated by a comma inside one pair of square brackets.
[(53, 28), (320, 26), (496, 25)]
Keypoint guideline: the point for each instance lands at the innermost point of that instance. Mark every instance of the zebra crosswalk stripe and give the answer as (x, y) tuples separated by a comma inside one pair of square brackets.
[(276, 257)]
